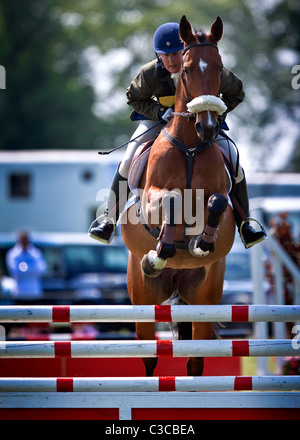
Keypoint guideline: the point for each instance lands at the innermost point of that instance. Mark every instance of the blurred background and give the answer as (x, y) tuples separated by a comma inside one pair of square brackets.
[(68, 64), (65, 68)]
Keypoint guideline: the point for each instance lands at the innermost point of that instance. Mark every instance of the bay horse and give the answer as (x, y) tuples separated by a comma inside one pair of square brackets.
[(191, 265)]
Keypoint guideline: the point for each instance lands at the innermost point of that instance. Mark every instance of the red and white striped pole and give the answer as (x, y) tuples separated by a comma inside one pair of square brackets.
[(162, 383), (159, 348), (158, 313)]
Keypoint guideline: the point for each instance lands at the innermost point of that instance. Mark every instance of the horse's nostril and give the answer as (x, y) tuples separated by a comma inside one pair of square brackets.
[(206, 132), (199, 129), (213, 132)]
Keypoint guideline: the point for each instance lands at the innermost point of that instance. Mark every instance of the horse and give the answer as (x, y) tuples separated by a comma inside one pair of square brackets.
[(187, 265)]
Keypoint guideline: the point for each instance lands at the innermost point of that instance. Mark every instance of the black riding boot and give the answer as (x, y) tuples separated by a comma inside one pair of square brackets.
[(116, 202), (248, 234)]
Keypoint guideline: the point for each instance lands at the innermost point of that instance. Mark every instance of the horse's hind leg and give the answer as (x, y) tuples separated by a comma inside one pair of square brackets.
[(205, 287), (202, 331), (205, 243), (147, 291), (146, 331), (139, 295)]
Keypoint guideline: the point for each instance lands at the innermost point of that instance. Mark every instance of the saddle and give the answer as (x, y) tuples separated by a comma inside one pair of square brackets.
[(140, 160)]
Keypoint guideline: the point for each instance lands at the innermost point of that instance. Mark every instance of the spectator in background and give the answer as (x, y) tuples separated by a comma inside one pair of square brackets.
[(26, 265)]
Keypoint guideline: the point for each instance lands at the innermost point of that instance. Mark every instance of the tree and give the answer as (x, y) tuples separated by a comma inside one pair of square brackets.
[(266, 49), (45, 105)]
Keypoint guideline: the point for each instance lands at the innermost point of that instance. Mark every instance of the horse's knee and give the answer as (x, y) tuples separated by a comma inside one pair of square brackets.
[(217, 203), (172, 207), (205, 243)]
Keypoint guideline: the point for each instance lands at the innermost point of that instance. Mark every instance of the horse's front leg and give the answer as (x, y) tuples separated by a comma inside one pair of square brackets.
[(155, 261), (208, 293), (204, 244)]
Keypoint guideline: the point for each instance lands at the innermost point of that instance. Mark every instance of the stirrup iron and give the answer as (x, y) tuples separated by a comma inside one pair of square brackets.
[(249, 245), (99, 220)]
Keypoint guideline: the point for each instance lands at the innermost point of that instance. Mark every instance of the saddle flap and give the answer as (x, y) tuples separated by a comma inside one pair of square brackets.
[(138, 165)]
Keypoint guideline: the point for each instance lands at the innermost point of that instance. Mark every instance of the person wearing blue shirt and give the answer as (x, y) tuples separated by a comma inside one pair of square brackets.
[(26, 265)]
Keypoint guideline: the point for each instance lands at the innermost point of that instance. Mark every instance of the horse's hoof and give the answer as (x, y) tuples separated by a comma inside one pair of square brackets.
[(199, 248), (199, 253), (152, 265)]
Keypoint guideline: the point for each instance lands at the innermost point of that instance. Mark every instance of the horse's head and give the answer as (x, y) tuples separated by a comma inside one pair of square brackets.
[(201, 77)]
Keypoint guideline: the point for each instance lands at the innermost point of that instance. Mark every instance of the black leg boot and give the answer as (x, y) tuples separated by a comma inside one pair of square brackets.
[(248, 234), (116, 201)]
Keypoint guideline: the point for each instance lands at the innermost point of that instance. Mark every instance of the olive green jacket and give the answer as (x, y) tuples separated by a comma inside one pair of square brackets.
[(152, 91)]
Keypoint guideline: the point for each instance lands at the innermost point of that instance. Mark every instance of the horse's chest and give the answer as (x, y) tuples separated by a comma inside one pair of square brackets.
[(168, 165)]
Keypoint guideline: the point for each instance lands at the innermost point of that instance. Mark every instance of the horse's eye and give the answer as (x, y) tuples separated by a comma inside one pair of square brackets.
[(186, 70)]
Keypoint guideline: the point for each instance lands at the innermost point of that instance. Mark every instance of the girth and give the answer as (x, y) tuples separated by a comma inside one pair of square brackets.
[(189, 153)]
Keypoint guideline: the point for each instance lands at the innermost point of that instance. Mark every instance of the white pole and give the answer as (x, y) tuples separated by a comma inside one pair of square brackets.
[(187, 348), (133, 384), (175, 313)]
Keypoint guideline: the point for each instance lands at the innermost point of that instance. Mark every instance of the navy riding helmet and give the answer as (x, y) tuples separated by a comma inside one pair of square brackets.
[(166, 39)]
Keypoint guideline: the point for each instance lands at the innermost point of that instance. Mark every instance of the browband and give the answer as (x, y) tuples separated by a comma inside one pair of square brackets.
[(199, 44)]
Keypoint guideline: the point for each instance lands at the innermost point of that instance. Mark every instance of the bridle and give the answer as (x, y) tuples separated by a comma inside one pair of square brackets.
[(182, 68), (189, 152), (205, 43)]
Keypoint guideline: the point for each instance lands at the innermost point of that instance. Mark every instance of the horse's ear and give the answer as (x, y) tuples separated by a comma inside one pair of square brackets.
[(216, 30), (185, 30)]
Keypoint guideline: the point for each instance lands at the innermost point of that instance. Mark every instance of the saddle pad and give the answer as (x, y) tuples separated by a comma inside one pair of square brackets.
[(138, 166), (228, 180)]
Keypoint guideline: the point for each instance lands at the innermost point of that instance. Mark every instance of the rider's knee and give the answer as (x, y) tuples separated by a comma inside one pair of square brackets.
[(124, 167), (240, 174), (232, 154)]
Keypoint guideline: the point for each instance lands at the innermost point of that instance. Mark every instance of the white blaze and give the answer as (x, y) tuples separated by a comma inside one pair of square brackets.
[(202, 65), (209, 119)]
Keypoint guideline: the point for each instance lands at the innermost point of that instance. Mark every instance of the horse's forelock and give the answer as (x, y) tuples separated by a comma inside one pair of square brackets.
[(201, 35)]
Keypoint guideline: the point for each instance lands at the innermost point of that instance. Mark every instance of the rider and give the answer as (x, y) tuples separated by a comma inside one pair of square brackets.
[(152, 96)]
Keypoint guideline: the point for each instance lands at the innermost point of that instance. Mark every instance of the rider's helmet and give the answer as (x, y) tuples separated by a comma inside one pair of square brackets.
[(166, 39)]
